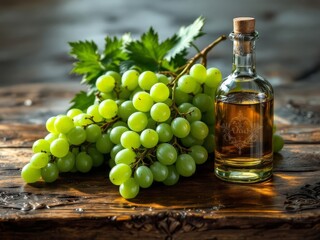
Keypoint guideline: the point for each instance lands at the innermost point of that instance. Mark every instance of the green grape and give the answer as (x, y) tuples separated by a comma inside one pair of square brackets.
[(138, 89), (63, 124), (138, 121), (142, 101), (108, 108), (129, 189), (189, 141), (63, 136), (159, 92), (130, 139), (50, 173), (209, 91), (124, 93), (194, 114), (202, 101), (41, 145), (166, 154), (149, 138), (187, 84), (169, 102), (208, 118), (116, 148), (77, 135), (126, 156), (104, 144), (83, 162), (83, 119), (209, 143), (165, 132), (73, 112), (96, 156), (110, 95), (147, 79), (30, 174), (180, 127), (116, 133), (93, 132), (214, 77), (163, 78), (59, 148), (184, 107), (50, 137), (120, 173), (181, 97), (93, 111), (130, 79), (159, 171), (105, 83), (173, 176), (199, 73), (160, 112), (151, 123), (39, 160), (119, 123), (66, 163), (199, 130), (115, 75), (143, 176), (278, 143), (199, 154), (185, 165), (50, 125), (126, 109)]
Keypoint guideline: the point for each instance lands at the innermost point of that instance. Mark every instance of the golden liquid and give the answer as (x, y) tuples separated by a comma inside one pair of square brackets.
[(244, 124)]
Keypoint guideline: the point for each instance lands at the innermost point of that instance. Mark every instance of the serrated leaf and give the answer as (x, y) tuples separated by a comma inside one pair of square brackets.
[(83, 100), (113, 52), (186, 36)]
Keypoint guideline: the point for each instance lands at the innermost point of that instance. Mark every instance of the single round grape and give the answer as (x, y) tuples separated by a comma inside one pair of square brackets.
[(50, 125), (30, 174), (116, 133), (214, 77), (59, 148), (166, 154), (50, 137), (108, 108), (198, 89), (149, 138), (83, 162), (165, 132), (159, 92), (119, 123), (209, 143), (159, 171), (39, 160), (209, 91), (93, 111), (278, 143), (130, 139), (189, 141), (186, 84), (169, 102), (130, 79), (93, 132), (173, 176), (180, 127), (116, 148), (199, 130), (83, 119), (142, 101), (184, 107), (147, 79), (66, 163), (104, 144), (109, 95), (63, 124), (105, 83), (163, 78), (160, 112), (199, 154), (124, 93), (77, 135), (202, 101), (115, 75), (138, 121), (185, 165), (41, 145), (50, 173), (143, 176), (126, 109), (151, 123), (96, 156), (73, 112), (126, 156), (199, 72), (129, 189), (194, 114), (181, 97), (120, 173)]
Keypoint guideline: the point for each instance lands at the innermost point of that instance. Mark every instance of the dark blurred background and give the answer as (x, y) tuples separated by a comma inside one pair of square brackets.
[(34, 33)]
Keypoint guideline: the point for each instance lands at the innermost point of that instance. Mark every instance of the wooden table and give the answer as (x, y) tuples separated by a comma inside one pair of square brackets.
[(202, 207)]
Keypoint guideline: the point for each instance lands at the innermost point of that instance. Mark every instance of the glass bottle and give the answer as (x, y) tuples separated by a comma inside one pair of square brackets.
[(244, 114)]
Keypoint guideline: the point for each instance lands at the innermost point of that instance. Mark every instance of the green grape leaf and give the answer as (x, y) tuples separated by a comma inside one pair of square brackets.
[(186, 36), (83, 100), (113, 53)]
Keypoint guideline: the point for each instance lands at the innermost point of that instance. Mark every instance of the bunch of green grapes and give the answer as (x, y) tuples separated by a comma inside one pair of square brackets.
[(147, 127)]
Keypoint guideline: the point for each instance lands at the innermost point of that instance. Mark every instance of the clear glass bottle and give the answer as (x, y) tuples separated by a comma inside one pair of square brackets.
[(244, 114)]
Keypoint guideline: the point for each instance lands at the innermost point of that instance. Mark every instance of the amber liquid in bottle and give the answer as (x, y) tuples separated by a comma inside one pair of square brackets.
[(244, 118)]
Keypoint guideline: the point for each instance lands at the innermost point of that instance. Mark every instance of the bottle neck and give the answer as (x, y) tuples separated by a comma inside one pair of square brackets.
[(244, 58)]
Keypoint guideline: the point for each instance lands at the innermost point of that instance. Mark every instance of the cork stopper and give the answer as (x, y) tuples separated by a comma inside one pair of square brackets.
[(244, 25)]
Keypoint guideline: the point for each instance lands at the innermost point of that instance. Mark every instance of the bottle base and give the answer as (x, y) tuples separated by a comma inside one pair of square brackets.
[(243, 176)]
